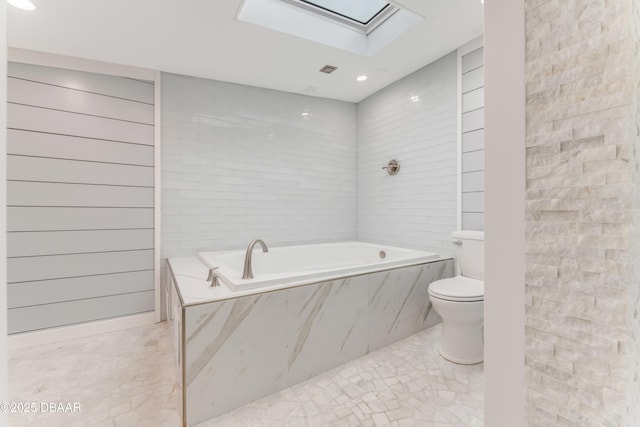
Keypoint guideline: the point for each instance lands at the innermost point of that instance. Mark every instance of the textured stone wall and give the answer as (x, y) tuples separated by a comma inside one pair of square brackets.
[(581, 233), (633, 399)]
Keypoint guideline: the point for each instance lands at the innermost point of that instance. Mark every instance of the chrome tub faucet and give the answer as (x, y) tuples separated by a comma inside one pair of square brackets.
[(213, 277)]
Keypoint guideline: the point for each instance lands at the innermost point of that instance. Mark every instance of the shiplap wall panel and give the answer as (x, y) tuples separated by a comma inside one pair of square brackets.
[(27, 143), (20, 193), (27, 269), (473, 79), (36, 317), (75, 124), (119, 87), (23, 168), (473, 221), (44, 95), (80, 186), (473, 140), (472, 60), (473, 100), (472, 181), (59, 290), (32, 243), (63, 218), (473, 161), (473, 120), (473, 202)]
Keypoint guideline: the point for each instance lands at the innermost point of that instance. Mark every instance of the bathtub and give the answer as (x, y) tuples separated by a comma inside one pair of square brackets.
[(304, 264), (308, 309)]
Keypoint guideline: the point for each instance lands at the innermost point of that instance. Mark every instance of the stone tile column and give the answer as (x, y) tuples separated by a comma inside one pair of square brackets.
[(582, 243)]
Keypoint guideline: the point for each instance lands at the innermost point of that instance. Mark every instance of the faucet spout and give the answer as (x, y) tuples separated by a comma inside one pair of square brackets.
[(247, 273)]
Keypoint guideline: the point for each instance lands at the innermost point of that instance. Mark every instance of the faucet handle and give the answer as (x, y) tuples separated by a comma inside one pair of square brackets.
[(213, 277)]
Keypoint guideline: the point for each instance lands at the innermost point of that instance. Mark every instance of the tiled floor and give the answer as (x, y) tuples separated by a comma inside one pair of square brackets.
[(127, 378), (404, 384)]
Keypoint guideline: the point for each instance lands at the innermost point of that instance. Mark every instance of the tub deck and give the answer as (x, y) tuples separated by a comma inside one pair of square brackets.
[(290, 266), (236, 346)]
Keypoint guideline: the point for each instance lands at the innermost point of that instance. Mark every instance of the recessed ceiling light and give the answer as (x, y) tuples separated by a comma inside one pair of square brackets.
[(22, 4), (361, 78)]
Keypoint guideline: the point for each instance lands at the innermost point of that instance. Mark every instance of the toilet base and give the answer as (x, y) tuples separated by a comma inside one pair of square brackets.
[(473, 361), (461, 339)]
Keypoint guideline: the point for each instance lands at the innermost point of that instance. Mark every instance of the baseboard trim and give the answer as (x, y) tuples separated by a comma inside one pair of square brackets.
[(48, 336)]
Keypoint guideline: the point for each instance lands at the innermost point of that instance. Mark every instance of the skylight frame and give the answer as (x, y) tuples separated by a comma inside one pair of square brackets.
[(316, 3), (365, 28), (289, 18)]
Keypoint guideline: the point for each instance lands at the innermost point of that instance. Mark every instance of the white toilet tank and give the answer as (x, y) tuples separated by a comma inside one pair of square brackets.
[(470, 253)]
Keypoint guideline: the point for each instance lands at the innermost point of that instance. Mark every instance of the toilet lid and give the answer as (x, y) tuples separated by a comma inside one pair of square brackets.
[(458, 288)]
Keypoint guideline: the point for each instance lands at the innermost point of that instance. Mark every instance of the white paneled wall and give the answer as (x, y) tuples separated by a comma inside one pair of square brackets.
[(240, 163), (80, 197), (4, 395), (413, 121), (472, 147)]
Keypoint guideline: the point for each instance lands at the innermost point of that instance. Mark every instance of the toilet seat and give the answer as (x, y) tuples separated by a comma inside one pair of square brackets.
[(459, 288)]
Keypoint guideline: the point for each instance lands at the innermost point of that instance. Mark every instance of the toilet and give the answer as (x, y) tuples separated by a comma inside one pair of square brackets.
[(460, 302)]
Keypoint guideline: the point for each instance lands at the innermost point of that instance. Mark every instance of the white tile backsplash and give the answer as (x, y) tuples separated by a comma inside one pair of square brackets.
[(413, 121), (241, 163)]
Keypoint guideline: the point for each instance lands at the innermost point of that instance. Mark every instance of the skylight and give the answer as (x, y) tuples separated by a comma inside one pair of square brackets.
[(362, 11), (359, 26), (360, 15)]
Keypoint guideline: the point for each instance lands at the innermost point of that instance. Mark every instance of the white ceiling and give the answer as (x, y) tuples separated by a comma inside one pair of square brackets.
[(202, 38)]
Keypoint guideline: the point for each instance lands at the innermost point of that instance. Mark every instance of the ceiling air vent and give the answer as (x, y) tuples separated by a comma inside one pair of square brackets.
[(328, 69)]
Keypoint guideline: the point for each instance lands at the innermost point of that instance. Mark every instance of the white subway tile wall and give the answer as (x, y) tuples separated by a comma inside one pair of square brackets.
[(414, 121), (240, 163)]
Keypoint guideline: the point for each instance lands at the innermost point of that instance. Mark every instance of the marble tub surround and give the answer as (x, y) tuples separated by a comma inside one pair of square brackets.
[(326, 326), (404, 384), (191, 274), (239, 349)]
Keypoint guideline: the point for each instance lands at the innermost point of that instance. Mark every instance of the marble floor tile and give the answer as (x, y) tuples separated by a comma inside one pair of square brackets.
[(129, 378), (125, 378)]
